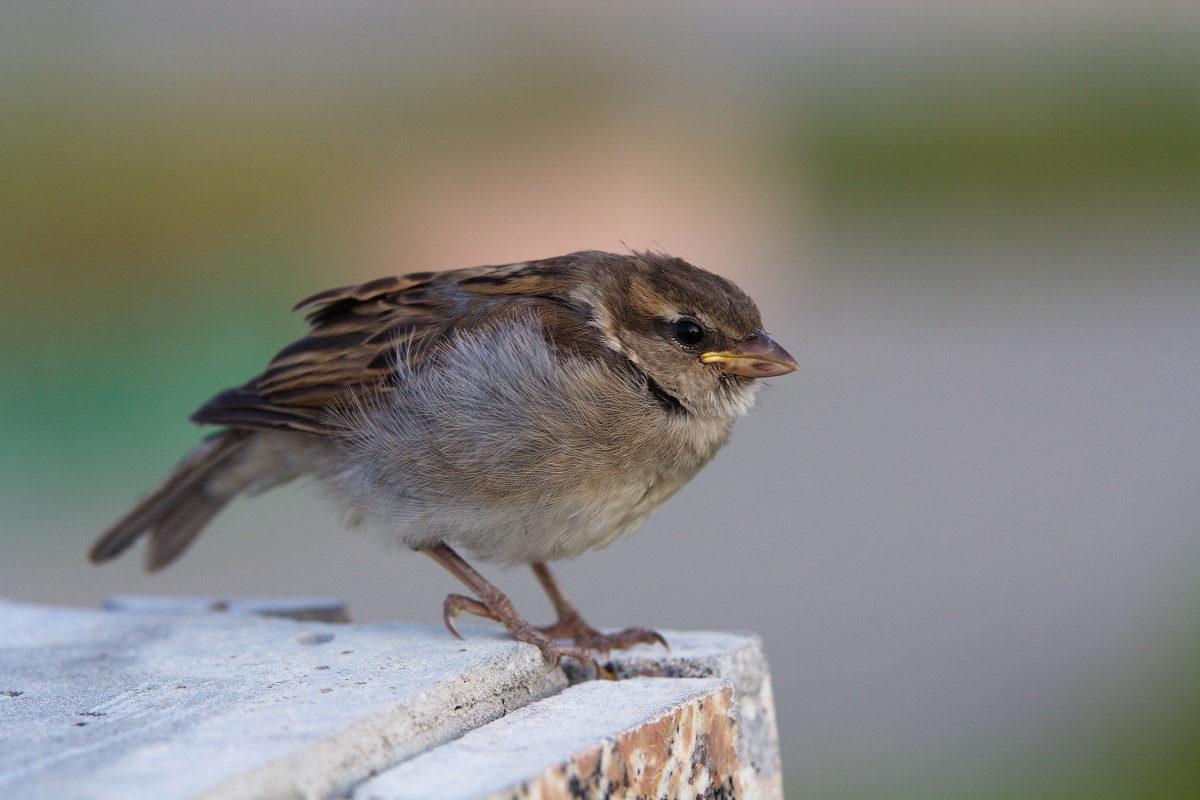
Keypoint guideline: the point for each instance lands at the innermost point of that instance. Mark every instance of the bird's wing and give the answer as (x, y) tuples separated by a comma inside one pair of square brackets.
[(357, 333)]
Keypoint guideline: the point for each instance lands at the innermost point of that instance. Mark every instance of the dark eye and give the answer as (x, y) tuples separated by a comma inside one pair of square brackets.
[(686, 332)]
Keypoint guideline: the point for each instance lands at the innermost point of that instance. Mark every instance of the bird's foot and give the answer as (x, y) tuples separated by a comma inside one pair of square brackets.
[(499, 608), (577, 630), (571, 625)]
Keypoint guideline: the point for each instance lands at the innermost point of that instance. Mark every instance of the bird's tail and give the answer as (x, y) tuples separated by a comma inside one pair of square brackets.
[(177, 509)]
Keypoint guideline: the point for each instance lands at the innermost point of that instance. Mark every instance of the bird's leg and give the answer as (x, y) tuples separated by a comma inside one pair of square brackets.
[(571, 625), (494, 604)]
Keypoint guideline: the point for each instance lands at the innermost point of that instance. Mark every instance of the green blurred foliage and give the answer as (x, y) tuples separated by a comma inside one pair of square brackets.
[(988, 138)]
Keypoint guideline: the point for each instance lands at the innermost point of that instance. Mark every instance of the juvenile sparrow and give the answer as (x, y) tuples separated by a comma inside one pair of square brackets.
[(524, 413)]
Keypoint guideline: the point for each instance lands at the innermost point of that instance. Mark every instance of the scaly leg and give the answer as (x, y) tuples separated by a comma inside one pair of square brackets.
[(494, 604), (571, 625)]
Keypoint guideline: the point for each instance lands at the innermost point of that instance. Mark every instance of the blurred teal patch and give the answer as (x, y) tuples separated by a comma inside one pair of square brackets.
[(87, 404)]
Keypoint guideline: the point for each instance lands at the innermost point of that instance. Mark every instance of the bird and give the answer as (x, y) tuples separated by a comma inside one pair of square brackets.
[(522, 413)]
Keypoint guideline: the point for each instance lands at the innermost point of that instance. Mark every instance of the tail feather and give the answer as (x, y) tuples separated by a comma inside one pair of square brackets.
[(177, 509), (175, 531)]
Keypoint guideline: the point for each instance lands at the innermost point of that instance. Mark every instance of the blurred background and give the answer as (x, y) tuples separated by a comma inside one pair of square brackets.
[(971, 543)]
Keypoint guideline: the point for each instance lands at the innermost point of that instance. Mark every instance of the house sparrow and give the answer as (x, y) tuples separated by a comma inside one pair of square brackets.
[(524, 413)]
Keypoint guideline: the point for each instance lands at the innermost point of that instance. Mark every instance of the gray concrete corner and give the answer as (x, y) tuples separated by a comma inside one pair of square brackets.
[(198, 698)]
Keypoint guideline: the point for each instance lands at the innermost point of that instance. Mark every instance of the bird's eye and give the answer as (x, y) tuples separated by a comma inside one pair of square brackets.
[(686, 332)]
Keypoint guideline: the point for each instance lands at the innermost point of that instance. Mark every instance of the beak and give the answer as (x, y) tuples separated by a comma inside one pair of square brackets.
[(760, 356)]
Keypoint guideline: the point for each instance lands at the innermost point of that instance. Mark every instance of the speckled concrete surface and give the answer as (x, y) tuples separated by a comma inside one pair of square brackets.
[(642, 737), (209, 702), (97, 704)]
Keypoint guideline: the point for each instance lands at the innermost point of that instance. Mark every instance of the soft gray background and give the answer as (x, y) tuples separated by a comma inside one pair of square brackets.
[(967, 529)]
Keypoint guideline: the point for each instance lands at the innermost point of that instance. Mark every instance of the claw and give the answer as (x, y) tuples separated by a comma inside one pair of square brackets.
[(449, 612), (551, 657), (648, 636)]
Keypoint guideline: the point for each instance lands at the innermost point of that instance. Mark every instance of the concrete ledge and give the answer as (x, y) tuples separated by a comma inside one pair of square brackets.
[(181, 702), (644, 737)]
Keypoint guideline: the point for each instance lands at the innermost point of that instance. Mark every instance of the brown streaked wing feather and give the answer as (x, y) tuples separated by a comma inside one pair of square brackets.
[(346, 357), (338, 361)]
